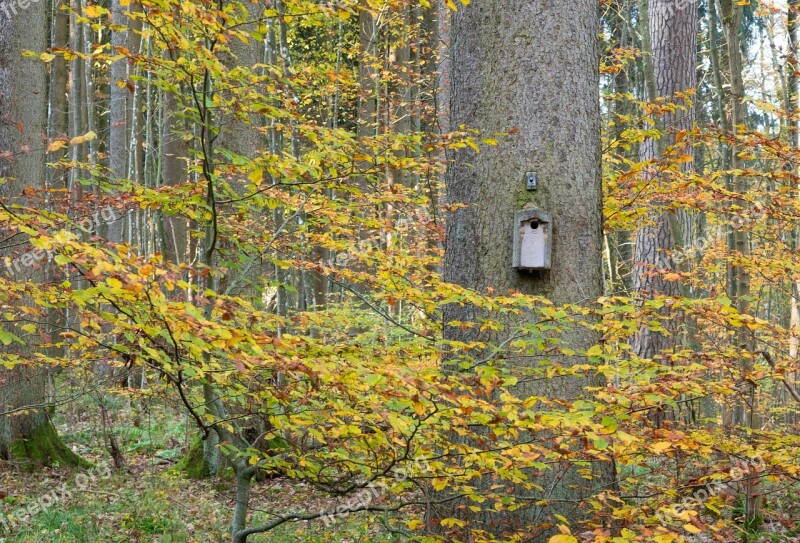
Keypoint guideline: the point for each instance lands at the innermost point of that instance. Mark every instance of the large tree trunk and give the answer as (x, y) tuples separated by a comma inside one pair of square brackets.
[(25, 429), (673, 40), (529, 67)]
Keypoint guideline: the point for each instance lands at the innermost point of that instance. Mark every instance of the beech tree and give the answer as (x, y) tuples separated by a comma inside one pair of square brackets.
[(314, 281)]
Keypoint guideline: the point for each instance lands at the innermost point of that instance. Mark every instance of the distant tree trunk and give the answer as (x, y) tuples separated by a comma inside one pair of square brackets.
[(76, 111), (88, 107), (792, 95), (619, 244), (673, 40), (27, 434), (367, 73), (58, 122), (135, 221), (746, 412), (119, 126), (175, 153), (538, 75), (119, 95)]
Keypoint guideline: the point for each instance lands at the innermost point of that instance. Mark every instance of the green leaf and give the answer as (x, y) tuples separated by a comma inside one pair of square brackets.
[(609, 425)]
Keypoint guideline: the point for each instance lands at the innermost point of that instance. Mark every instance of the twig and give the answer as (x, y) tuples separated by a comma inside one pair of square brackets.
[(789, 386)]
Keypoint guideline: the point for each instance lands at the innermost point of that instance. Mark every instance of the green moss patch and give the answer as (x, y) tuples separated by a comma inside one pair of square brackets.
[(45, 448), (192, 463)]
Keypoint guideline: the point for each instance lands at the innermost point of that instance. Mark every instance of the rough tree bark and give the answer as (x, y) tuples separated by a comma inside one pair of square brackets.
[(673, 42), (539, 75), (25, 433)]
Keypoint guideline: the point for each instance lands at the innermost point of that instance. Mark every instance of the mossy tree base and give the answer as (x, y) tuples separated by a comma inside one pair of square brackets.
[(44, 448), (193, 464)]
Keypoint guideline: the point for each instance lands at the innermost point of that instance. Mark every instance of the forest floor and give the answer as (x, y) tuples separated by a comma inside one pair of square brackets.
[(150, 501)]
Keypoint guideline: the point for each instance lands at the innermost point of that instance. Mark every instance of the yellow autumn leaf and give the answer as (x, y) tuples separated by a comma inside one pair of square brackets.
[(93, 12), (684, 515), (77, 140), (257, 175), (56, 145), (450, 522), (563, 538), (595, 350), (691, 528), (660, 447), (47, 57)]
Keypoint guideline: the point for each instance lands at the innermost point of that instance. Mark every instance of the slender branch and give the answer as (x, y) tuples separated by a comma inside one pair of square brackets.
[(789, 386), (242, 535)]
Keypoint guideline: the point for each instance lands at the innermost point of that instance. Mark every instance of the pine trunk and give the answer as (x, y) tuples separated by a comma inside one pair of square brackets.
[(673, 40)]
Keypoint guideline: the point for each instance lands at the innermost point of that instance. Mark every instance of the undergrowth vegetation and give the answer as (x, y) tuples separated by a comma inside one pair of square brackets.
[(151, 500)]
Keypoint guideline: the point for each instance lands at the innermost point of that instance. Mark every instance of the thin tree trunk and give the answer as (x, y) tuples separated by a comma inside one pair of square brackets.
[(119, 105), (746, 412), (673, 40), (58, 118), (792, 95)]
